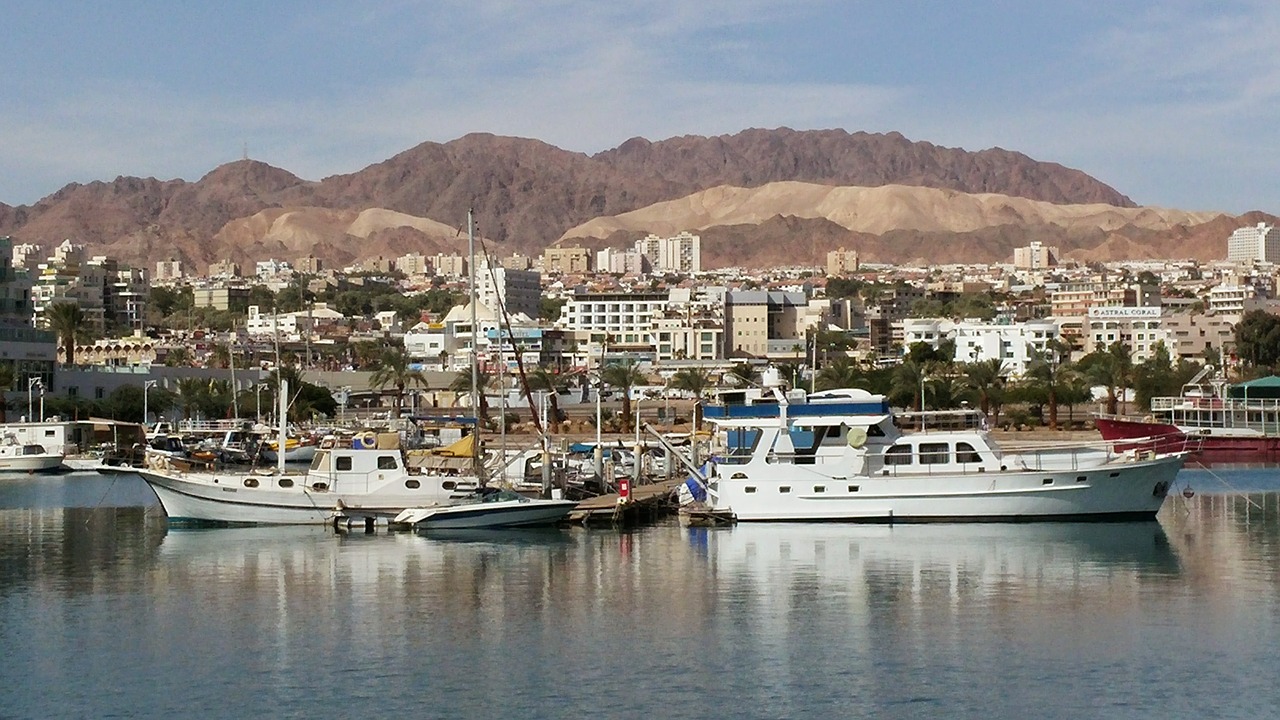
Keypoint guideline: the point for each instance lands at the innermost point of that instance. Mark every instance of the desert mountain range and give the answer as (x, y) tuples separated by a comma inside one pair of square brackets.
[(758, 198)]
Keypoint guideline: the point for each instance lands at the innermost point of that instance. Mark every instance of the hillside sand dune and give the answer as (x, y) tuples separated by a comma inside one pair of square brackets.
[(875, 210)]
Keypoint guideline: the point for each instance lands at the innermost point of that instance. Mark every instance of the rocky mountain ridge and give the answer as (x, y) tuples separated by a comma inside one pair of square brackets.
[(525, 193)]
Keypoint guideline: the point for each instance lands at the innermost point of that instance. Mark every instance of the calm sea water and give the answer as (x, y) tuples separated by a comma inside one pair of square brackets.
[(107, 612)]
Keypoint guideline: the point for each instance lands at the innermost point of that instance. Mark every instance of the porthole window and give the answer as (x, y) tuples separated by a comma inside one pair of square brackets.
[(448, 484), (285, 483), (749, 489), (819, 488), (320, 487), (412, 484), (251, 482), (784, 489), (853, 488)]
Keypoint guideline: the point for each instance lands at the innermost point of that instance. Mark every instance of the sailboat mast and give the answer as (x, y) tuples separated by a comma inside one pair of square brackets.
[(475, 345)]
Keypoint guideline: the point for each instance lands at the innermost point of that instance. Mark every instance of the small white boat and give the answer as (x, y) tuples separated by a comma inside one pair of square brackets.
[(496, 509), (27, 457)]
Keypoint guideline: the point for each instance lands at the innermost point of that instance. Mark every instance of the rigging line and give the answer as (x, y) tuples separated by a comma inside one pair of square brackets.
[(114, 477), (1223, 480), (506, 317)]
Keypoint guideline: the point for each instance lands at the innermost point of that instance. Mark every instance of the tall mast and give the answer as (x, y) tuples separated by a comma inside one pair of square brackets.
[(475, 336)]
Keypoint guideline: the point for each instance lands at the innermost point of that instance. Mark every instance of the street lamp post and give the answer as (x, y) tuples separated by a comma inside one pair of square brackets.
[(146, 385), (32, 383)]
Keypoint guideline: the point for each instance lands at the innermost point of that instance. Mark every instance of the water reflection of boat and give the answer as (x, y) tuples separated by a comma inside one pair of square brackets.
[(971, 555)]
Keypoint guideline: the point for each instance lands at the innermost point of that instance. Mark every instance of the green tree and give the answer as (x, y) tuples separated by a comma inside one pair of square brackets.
[(744, 374), (905, 385), (841, 373), (7, 377), (1046, 373), (68, 322), (395, 370), (1258, 339), (462, 384), (624, 376), (987, 379), (542, 378), (177, 357), (1112, 368)]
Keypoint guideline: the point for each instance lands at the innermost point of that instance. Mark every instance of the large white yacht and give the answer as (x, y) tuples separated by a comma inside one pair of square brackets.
[(837, 455)]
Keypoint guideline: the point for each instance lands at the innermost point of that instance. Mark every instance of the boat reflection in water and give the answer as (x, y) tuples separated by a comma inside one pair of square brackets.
[(985, 563)]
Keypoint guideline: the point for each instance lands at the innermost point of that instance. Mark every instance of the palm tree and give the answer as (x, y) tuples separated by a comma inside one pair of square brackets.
[(67, 321), (907, 382), (6, 384), (623, 376), (1047, 372), (696, 381), (462, 384), (177, 357), (1111, 368), (541, 378), (987, 379), (744, 373), (191, 394), (394, 370), (840, 373)]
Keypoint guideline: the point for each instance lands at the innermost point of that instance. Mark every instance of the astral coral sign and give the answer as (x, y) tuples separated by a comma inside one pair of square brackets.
[(1104, 313)]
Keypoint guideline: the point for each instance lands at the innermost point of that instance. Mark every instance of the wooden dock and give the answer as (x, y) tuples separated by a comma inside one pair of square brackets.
[(646, 503)]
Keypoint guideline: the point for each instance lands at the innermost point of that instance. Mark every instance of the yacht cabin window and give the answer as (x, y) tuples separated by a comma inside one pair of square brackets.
[(342, 463), (965, 453), (898, 455), (934, 453), (386, 462)]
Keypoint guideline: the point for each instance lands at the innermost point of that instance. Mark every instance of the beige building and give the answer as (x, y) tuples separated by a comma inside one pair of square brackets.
[(224, 269), (1035, 256), (168, 270), (567, 260), (842, 262), (310, 265)]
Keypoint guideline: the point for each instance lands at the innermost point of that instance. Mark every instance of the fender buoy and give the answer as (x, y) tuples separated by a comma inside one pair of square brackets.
[(857, 437)]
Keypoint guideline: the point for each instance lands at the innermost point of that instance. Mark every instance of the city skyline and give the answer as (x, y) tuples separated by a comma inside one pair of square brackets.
[(1169, 104)]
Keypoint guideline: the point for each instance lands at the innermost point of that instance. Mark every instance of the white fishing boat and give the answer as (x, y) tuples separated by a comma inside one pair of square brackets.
[(497, 509), (17, 456), (838, 456), (364, 477)]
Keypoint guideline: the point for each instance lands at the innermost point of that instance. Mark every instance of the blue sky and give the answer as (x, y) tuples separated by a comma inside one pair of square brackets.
[(1174, 103)]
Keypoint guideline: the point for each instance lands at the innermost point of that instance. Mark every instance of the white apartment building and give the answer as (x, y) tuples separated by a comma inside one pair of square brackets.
[(1138, 328), (266, 269), (1016, 345), (1257, 243), (678, 254), (624, 262), (626, 317)]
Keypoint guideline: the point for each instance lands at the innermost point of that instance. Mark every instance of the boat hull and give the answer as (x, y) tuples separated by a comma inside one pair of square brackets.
[(30, 463), (1132, 491), (1213, 446), (509, 514), (200, 498)]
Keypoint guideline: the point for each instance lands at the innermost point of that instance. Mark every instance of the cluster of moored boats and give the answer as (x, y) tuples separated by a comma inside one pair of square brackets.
[(778, 456), (771, 455)]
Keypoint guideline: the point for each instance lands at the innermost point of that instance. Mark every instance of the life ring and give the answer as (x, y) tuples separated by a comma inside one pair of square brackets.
[(857, 437), (367, 440)]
